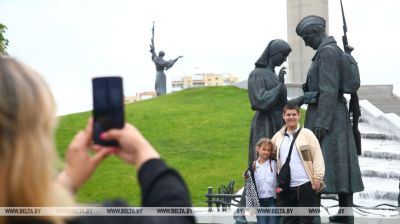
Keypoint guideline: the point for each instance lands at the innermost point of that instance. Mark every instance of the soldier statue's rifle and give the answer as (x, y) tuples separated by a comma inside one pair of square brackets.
[(354, 106)]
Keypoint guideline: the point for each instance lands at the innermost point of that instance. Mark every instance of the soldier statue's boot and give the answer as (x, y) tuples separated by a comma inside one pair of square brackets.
[(345, 200)]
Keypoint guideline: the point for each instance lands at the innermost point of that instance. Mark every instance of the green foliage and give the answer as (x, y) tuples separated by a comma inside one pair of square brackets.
[(3, 40), (201, 132)]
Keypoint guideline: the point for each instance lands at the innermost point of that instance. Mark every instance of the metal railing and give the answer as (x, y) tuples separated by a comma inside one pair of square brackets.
[(224, 199)]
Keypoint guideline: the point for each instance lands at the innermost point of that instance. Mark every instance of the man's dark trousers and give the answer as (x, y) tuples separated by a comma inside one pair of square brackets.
[(300, 196)]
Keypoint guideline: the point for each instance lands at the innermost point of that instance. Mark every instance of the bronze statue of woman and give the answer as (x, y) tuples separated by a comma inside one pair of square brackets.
[(161, 65), (267, 93)]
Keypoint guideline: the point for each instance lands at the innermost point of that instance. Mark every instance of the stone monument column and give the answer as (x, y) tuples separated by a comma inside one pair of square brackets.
[(300, 58)]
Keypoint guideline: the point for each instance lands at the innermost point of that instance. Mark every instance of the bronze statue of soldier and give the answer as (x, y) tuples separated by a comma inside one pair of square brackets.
[(328, 116)]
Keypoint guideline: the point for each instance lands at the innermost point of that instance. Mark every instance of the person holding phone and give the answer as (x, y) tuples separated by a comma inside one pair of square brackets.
[(28, 157)]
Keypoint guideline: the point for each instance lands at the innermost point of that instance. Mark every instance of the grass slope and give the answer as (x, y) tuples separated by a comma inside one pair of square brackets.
[(201, 132)]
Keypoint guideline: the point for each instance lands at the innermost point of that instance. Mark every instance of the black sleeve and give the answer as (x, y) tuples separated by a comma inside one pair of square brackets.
[(162, 186)]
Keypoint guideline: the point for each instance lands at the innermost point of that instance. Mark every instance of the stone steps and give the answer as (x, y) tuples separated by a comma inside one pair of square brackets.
[(379, 195), (381, 181), (377, 191), (380, 177), (380, 146), (381, 155), (381, 96), (380, 167), (376, 136), (373, 173), (368, 132)]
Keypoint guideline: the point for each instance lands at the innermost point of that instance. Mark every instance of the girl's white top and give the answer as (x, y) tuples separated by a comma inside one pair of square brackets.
[(265, 179)]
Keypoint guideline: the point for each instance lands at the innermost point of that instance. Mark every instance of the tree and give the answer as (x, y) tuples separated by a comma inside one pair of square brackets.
[(3, 40)]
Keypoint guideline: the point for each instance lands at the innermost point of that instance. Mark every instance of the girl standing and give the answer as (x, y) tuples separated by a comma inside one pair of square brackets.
[(265, 178)]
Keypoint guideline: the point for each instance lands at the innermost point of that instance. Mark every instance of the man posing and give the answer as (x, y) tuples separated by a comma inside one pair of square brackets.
[(306, 166), (327, 114)]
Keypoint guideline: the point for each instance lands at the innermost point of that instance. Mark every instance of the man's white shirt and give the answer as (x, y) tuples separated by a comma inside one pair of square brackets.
[(298, 175)]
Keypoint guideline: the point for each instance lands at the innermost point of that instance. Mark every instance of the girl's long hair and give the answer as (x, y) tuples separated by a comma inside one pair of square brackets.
[(27, 151), (267, 141)]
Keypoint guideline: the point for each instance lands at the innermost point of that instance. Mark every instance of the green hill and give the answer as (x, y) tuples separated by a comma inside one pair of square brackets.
[(202, 132)]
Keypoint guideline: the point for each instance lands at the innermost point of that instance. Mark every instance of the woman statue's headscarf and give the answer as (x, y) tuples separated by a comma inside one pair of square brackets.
[(274, 47)]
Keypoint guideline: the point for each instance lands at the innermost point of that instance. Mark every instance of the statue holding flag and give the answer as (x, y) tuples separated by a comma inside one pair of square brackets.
[(161, 65)]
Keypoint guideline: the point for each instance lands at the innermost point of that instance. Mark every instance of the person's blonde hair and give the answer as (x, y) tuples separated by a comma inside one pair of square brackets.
[(27, 151)]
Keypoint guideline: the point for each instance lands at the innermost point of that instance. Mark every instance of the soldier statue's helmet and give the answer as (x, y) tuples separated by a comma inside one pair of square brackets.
[(308, 21)]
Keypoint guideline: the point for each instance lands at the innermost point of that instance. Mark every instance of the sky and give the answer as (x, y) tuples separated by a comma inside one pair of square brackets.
[(71, 41)]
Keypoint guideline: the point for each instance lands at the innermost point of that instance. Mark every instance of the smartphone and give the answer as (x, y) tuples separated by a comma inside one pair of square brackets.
[(108, 107)]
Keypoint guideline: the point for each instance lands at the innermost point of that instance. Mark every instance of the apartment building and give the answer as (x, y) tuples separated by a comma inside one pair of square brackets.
[(204, 79)]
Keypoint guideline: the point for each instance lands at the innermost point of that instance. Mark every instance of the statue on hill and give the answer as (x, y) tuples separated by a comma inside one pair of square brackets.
[(161, 65), (267, 93)]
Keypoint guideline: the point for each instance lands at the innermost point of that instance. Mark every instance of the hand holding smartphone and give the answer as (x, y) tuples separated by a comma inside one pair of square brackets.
[(108, 107)]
